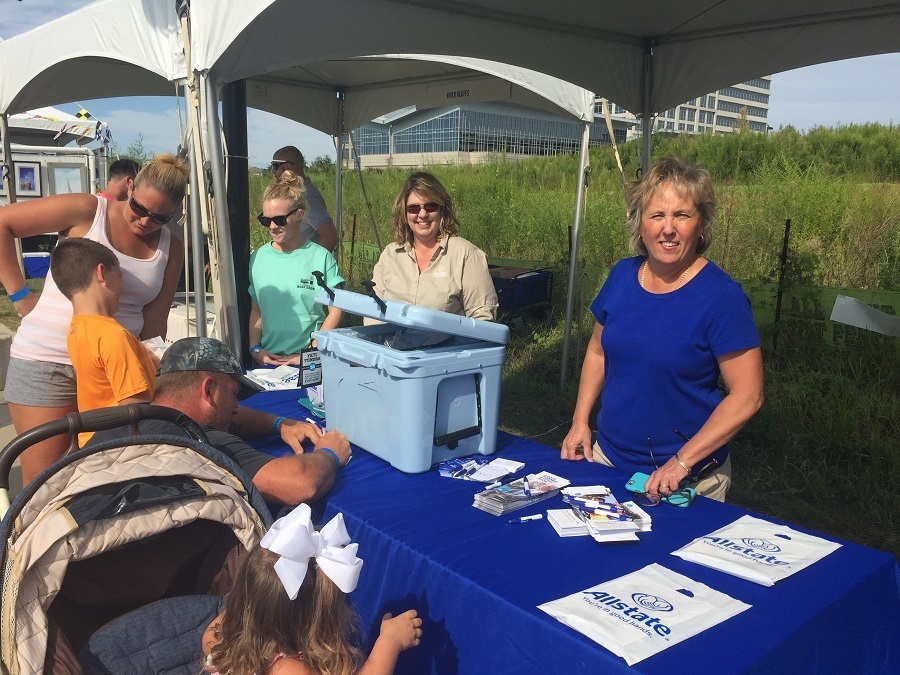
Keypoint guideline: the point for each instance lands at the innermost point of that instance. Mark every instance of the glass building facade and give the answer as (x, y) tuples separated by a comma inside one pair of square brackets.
[(479, 129)]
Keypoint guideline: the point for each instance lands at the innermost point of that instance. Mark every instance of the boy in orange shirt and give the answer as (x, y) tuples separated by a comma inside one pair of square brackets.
[(111, 366)]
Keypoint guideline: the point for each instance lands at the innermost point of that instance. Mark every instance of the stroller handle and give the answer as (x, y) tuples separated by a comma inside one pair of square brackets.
[(94, 420)]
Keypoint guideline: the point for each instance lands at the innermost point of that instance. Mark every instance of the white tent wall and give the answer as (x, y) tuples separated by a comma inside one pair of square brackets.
[(108, 48)]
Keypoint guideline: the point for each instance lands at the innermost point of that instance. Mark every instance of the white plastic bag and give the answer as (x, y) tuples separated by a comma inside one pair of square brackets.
[(757, 550), (644, 612), (282, 377)]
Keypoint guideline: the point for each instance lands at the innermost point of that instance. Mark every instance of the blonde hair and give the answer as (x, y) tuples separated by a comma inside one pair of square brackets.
[(319, 627), (167, 174), (429, 186), (690, 181), (290, 187)]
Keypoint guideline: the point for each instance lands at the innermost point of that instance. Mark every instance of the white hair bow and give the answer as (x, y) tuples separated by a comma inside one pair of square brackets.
[(294, 538)]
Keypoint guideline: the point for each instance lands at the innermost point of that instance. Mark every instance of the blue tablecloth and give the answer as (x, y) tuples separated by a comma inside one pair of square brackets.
[(477, 580)]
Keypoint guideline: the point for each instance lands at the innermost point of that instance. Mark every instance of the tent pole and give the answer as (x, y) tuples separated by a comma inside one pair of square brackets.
[(237, 194), (584, 168), (8, 177), (338, 175), (646, 112), (198, 242), (227, 298)]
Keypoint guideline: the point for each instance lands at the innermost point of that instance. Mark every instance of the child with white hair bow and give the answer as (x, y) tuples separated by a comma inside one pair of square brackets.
[(286, 616)]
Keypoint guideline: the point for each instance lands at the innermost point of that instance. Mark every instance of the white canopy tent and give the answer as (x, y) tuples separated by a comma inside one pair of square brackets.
[(49, 126), (646, 57)]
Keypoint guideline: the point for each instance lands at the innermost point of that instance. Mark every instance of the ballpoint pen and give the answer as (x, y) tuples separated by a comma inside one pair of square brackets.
[(525, 519), (526, 488)]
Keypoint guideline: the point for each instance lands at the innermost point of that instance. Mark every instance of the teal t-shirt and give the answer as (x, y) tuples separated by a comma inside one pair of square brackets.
[(283, 286)]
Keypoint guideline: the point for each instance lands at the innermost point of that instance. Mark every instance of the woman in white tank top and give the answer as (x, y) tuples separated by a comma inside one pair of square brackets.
[(151, 259)]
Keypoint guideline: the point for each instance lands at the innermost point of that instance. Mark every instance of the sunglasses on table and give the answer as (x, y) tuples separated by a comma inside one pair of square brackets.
[(430, 207), (280, 221), (142, 212)]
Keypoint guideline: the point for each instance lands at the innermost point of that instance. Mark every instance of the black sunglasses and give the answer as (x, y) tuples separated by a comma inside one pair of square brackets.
[(280, 221), (278, 162), (430, 207), (142, 212)]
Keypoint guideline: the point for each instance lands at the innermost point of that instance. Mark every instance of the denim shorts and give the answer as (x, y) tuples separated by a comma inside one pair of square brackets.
[(40, 383)]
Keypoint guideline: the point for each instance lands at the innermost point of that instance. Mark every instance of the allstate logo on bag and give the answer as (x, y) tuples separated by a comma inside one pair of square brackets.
[(631, 614), (762, 545), (747, 548), (653, 602)]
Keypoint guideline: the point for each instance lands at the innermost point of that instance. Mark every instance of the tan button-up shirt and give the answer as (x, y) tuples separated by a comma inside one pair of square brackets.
[(456, 280)]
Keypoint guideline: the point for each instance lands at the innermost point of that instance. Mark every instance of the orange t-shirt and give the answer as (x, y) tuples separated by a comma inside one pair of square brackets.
[(110, 364)]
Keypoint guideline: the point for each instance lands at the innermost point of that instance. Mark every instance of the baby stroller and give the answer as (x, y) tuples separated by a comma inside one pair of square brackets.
[(115, 558)]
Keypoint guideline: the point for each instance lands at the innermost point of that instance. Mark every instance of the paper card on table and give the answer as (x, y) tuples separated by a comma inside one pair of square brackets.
[(757, 550), (495, 470), (643, 613)]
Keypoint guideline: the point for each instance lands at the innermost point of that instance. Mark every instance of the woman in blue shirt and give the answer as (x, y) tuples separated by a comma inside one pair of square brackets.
[(669, 323)]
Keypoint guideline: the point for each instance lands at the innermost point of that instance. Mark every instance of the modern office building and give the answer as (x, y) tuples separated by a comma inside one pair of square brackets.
[(719, 112), (471, 134)]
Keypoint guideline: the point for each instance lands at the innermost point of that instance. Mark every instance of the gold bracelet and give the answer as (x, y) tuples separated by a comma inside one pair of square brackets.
[(683, 465)]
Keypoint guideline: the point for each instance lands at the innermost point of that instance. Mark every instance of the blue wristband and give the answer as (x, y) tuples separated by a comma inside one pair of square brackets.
[(337, 461), (277, 423), (18, 295), (256, 348)]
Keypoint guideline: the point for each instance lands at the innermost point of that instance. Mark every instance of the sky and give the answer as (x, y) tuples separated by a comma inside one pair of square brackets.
[(844, 92)]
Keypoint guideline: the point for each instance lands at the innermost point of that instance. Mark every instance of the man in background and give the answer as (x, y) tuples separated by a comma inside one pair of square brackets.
[(317, 225), (121, 179)]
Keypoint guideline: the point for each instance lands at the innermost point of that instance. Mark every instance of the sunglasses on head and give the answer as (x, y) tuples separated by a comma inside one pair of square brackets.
[(280, 221), (430, 207), (142, 212), (276, 163)]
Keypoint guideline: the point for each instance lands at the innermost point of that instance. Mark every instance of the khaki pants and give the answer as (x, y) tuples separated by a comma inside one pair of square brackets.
[(715, 486)]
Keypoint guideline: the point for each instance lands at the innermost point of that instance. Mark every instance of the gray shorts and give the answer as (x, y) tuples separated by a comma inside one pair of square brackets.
[(40, 383)]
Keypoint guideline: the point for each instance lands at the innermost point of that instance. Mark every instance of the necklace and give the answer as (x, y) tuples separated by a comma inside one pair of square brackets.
[(677, 283)]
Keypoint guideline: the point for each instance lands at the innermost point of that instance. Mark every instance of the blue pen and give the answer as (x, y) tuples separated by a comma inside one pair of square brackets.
[(597, 512), (525, 519), (526, 488)]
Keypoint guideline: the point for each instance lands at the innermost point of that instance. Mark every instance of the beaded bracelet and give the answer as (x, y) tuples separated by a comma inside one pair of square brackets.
[(18, 295), (337, 461), (277, 423)]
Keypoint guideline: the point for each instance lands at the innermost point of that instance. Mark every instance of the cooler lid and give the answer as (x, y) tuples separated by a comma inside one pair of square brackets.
[(412, 316)]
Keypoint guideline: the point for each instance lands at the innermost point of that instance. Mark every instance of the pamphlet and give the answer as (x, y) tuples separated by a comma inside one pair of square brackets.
[(479, 468), (518, 494)]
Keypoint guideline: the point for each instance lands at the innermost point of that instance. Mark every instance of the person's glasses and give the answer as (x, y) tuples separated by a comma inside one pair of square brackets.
[(430, 207), (280, 221), (278, 163), (683, 496), (140, 211)]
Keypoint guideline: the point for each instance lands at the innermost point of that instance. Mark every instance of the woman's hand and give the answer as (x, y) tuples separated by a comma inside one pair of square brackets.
[(577, 443), (405, 630), (26, 304), (266, 358), (666, 479)]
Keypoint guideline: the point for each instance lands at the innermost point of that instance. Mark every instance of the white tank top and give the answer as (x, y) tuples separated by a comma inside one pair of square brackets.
[(42, 335)]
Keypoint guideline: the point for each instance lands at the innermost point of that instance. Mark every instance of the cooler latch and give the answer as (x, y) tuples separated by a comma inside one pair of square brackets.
[(451, 440)]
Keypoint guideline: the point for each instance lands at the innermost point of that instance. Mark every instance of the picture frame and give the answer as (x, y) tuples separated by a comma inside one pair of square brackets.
[(28, 179), (67, 178)]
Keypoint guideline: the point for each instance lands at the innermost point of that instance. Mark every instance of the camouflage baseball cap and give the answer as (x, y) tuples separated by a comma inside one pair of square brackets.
[(208, 355)]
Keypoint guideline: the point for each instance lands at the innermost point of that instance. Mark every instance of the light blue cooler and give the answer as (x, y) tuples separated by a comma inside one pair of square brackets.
[(419, 389)]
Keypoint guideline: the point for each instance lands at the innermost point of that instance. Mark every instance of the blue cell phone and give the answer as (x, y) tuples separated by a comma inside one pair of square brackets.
[(683, 497)]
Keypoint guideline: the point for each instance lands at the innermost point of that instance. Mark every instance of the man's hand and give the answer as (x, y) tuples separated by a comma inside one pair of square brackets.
[(294, 433), (336, 442)]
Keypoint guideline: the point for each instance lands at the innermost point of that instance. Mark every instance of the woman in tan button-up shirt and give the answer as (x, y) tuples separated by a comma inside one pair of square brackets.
[(428, 264)]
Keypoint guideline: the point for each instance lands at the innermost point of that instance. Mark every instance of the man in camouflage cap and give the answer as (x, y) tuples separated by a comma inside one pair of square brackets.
[(202, 378)]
